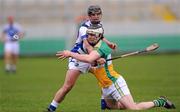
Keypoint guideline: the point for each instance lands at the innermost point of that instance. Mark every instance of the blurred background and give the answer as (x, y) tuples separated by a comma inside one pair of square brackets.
[(51, 25)]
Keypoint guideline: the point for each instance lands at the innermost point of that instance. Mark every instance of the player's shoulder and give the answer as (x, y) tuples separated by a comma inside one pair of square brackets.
[(6, 26), (17, 25), (102, 48), (102, 45), (105, 47), (85, 24)]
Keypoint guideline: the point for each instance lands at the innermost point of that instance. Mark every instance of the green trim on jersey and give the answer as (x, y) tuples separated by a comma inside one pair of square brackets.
[(112, 78), (104, 50)]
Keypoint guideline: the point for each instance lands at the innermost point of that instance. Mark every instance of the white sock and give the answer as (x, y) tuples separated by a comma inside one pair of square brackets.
[(54, 103), (102, 97), (8, 67), (13, 67)]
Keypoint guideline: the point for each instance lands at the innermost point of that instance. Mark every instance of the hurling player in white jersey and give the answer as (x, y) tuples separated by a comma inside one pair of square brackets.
[(10, 36), (75, 68)]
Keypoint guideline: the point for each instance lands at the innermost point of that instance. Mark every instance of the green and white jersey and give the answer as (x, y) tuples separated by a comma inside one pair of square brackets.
[(104, 50), (105, 74)]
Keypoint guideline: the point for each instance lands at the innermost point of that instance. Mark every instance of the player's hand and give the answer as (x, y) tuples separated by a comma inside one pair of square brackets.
[(3, 40), (112, 46), (63, 54), (101, 61), (15, 37)]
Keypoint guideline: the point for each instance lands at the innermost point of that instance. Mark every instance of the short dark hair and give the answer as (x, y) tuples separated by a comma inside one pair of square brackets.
[(93, 9)]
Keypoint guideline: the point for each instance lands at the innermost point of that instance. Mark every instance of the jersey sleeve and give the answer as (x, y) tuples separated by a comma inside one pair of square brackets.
[(82, 32), (104, 50), (18, 27), (4, 30)]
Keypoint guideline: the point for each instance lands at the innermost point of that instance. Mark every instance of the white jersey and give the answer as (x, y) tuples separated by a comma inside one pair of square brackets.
[(73, 63), (11, 30), (81, 35)]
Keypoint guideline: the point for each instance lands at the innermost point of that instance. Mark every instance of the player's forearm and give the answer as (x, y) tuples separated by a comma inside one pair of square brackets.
[(2, 39), (21, 34), (107, 41), (82, 57), (110, 44)]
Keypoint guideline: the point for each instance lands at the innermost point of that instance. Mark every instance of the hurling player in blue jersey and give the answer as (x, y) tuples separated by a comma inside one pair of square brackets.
[(10, 36), (75, 67)]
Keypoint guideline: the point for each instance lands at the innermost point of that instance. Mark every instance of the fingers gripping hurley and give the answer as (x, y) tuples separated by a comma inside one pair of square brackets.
[(148, 49)]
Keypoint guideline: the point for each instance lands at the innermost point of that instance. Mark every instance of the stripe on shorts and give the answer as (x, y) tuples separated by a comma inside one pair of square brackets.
[(118, 89)]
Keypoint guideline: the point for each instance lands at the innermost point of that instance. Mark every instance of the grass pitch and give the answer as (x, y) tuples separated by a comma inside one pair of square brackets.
[(32, 88)]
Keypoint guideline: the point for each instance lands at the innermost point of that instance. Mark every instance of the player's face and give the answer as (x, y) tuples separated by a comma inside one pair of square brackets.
[(10, 20), (95, 18), (92, 39)]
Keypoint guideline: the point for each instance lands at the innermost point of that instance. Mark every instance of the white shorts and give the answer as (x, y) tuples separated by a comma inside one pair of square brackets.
[(78, 65), (12, 47), (117, 90)]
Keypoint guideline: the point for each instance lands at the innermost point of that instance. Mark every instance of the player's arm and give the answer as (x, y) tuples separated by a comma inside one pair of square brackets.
[(3, 39), (21, 32), (88, 58), (110, 44), (18, 36)]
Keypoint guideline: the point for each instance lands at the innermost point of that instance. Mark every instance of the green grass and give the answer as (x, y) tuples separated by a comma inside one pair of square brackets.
[(32, 88)]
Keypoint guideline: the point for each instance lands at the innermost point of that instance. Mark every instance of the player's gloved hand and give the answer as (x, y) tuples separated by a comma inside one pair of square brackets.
[(112, 45), (100, 61), (16, 37), (94, 64), (63, 54)]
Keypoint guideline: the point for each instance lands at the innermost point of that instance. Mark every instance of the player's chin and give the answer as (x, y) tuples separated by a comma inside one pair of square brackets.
[(95, 21), (92, 43)]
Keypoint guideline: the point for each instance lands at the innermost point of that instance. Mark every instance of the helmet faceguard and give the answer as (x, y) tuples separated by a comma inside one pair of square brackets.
[(97, 31)]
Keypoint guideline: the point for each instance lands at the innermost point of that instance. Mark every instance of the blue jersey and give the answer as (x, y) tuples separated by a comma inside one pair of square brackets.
[(11, 30)]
